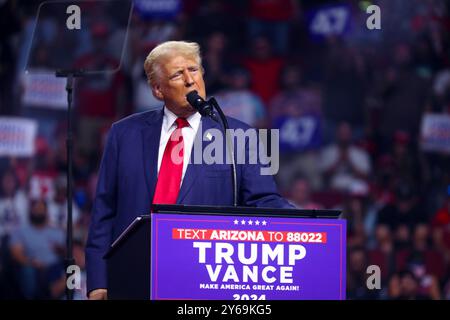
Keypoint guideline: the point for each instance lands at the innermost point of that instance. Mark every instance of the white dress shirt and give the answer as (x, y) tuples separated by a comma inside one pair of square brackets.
[(169, 126)]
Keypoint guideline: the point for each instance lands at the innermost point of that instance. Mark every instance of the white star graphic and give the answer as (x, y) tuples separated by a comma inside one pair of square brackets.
[(264, 223), (257, 222), (250, 222), (236, 222), (242, 221)]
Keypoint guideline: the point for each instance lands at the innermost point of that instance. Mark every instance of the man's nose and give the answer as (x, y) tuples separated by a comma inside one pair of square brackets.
[(188, 79)]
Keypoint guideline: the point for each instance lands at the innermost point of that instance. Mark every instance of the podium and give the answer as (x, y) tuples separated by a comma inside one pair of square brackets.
[(229, 253)]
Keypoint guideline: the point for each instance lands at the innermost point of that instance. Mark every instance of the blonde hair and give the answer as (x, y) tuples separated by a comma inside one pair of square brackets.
[(152, 64)]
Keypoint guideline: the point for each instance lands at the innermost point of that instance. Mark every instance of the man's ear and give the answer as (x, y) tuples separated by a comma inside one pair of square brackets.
[(156, 89)]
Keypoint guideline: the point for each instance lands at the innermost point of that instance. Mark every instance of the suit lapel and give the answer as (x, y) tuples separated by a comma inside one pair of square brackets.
[(150, 141), (193, 171)]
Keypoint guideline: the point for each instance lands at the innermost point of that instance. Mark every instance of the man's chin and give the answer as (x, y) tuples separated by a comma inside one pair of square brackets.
[(184, 111), (188, 107), (190, 112)]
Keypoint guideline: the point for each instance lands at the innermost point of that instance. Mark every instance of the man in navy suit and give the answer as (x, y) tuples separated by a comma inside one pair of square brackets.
[(136, 170)]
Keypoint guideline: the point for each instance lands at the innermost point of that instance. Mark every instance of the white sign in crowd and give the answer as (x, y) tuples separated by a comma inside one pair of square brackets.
[(435, 133), (17, 136), (44, 90)]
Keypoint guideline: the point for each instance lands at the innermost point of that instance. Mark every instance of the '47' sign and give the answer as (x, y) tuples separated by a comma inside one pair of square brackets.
[(299, 133), (334, 20)]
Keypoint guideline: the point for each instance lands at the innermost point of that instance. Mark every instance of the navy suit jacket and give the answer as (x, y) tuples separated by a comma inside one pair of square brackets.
[(127, 180)]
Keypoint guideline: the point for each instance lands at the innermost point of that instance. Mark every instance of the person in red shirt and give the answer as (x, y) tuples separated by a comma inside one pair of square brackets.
[(272, 17), (100, 96), (441, 227), (265, 69)]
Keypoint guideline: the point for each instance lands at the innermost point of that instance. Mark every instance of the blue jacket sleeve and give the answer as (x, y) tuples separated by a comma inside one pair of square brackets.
[(103, 213)]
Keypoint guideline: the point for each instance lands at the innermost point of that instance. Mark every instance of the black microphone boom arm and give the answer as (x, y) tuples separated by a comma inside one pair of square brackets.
[(206, 108), (229, 147)]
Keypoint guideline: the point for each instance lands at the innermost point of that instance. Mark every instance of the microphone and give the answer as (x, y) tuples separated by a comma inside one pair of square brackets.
[(202, 106)]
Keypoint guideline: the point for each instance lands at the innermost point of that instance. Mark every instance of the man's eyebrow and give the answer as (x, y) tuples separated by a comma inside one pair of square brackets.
[(174, 73), (180, 70)]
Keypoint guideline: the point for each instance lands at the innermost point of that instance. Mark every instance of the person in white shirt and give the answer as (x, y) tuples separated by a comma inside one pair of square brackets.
[(13, 204), (344, 163)]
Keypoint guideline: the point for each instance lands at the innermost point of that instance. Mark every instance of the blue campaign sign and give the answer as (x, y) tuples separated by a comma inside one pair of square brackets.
[(299, 133), (161, 9), (329, 20)]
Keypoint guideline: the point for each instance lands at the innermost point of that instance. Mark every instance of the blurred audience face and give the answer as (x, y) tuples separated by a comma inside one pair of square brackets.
[(8, 184), (356, 205), (382, 233), (421, 234), (290, 78), (261, 48), (408, 286), (60, 189), (383, 238), (300, 191), (394, 287), (239, 80), (357, 261), (216, 42), (402, 236), (344, 134), (38, 213)]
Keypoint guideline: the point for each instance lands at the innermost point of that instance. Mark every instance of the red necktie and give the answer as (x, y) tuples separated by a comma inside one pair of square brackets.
[(171, 170)]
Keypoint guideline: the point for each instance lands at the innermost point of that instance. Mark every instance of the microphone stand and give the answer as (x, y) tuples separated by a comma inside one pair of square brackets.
[(70, 75), (224, 120)]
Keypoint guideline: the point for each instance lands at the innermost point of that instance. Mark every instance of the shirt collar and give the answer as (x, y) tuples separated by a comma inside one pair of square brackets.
[(170, 117)]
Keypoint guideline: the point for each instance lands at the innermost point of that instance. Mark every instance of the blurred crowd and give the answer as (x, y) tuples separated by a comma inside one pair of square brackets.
[(349, 108)]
